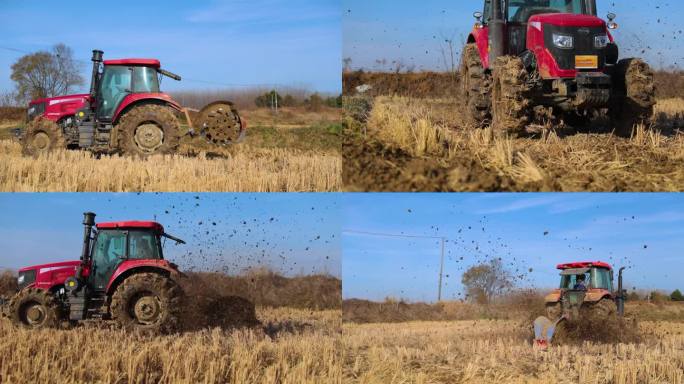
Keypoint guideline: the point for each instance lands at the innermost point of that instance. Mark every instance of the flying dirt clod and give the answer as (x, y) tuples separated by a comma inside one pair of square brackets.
[(530, 60), (122, 276), (125, 112)]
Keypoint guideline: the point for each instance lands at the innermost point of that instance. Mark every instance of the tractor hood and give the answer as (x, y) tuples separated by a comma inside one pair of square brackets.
[(80, 98), (54, 108), (45, 276), (567, 20)]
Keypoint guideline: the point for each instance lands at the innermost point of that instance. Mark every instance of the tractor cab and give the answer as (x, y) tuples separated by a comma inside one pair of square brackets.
[(120, 243), (120, 78)]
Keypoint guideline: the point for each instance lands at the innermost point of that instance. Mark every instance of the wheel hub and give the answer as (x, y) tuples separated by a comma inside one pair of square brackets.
[(41, 141), (147, 309), (149, 137), (35, 314)]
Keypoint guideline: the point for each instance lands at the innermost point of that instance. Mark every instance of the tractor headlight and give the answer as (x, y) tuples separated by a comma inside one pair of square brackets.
[(20, 279), (601, 41), (563, 41), (25, 278)]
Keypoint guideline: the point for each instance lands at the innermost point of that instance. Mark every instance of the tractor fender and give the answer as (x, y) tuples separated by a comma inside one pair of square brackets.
[(133, 100), (596, 295), (132, 267), (480, 36)]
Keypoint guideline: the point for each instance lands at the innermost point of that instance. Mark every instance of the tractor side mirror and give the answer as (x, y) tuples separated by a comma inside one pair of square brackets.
[(611, 23), (478, 19)]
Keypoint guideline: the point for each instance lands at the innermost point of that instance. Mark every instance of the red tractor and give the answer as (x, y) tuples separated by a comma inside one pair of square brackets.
[(527, 60), (586, 289), (122, 275), (124, 112)]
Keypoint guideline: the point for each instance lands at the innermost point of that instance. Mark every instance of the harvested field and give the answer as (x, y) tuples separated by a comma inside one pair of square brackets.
[(291, 346), (296, 150), (422, 144), (487, 351)]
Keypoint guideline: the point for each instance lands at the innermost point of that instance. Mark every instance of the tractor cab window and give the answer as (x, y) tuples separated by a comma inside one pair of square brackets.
[(143, 245), (108, 252), (145, 80), (114, 86), (601, 278), (570, 281), (519, 11)]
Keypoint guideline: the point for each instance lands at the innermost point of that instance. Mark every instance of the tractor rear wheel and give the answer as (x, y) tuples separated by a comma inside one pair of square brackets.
[(510, 104), (35, 309), (42, 136), (149, 129), (147, 302), (474, 88), (633, 95)]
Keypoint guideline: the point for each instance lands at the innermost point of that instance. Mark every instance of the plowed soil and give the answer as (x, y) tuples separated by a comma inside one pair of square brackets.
[(418, 144)]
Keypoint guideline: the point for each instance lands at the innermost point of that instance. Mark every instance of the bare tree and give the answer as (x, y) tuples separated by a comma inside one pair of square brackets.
[(484, 281), (46, 74), (8, 99), (347, 61)]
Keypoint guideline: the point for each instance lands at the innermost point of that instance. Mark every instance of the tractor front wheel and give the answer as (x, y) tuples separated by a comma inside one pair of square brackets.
[(147, 302), (510, 103), (603, 309), (474, 87), (42, 136), (147, 130), (633, 95), (35, 308)]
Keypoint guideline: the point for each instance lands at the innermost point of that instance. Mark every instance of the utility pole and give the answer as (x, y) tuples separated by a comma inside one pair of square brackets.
[(441, 272)]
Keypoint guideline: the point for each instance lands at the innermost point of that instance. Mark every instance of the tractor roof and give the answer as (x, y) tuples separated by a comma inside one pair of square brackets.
[(132, 224), (584, 264), (139, 62)]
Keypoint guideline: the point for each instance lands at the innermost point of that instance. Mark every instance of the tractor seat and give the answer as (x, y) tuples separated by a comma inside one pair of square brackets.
[(524, 13)]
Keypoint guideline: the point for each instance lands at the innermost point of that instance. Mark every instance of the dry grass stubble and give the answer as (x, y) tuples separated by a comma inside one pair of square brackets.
[(497, 351), (246, 170), (88, 354)]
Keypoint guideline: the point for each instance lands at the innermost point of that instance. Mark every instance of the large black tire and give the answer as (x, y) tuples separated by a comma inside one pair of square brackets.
[(35, 309), (511, 107), (474, 88), (147, 130), (633, 95), (147, 302), (42, 136)]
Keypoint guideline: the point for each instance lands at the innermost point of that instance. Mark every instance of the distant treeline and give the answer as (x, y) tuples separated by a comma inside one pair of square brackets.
[(259, 98), (669, 84)]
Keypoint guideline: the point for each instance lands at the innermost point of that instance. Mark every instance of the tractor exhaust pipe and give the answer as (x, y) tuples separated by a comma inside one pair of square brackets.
[(496, 32), (621, 295), (97, 60), (88, 222)]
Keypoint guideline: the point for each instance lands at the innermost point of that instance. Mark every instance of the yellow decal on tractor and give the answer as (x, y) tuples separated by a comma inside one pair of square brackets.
[(586, 62)]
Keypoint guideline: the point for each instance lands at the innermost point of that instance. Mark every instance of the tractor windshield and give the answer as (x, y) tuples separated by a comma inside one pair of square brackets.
[(519, 11), (108, 251), (143, 245), (145, 80), (118, 81)]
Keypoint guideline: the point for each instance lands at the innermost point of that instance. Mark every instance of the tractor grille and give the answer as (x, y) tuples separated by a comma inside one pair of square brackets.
[(583, 44)]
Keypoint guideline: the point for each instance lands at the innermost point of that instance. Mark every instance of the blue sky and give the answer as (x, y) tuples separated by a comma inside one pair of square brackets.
[(643, 232), (290, 42), (291, 233), (412, 31)]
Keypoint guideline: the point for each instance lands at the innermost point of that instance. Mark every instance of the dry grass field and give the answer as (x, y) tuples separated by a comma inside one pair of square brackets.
[(296, 150), (293, 346), (499, 351), (422, 144)]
